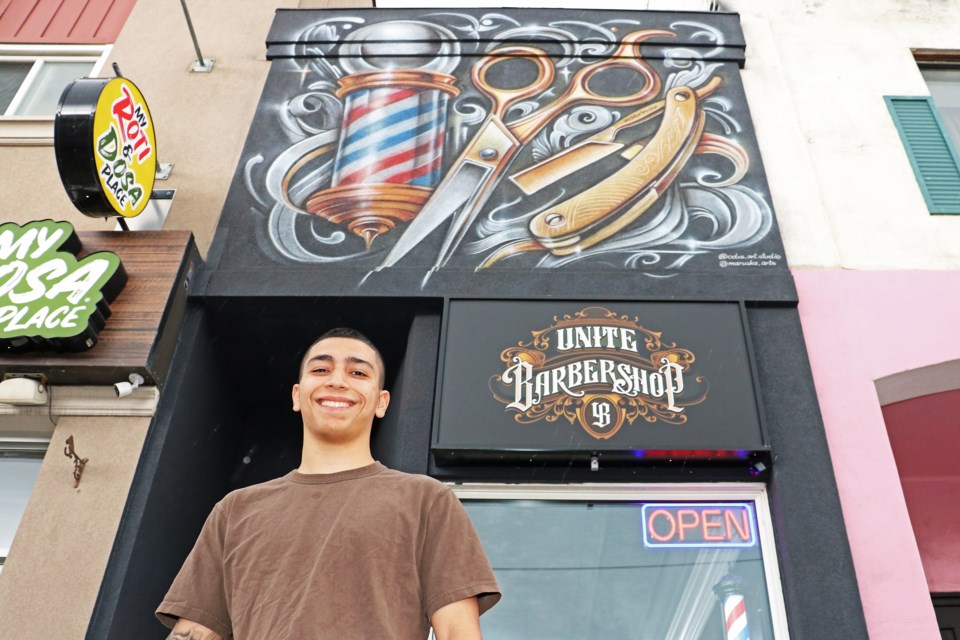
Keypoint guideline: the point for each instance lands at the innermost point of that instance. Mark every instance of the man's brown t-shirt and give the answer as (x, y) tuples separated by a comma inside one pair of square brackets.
[(360, 554)]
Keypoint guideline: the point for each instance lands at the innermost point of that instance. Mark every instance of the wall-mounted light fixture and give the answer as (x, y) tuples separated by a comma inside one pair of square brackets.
[(78, 462), (24, 389), (757, 469)]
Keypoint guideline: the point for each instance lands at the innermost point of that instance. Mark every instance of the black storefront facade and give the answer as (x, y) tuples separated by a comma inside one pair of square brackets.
[(557, 228)]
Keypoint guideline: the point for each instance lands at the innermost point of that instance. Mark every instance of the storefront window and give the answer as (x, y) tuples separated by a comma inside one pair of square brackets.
[(624, 562)]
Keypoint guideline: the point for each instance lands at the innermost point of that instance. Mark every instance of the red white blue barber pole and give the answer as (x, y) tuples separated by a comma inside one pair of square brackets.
[(392, 135), (734, 608)]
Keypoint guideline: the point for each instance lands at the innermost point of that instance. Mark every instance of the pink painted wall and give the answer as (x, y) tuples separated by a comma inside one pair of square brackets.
[(860, 326), (925, 438)]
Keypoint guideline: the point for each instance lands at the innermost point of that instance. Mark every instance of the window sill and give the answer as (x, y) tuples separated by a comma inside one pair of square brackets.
[(26, 131)]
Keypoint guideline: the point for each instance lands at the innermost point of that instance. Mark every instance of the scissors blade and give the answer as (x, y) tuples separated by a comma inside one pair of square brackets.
[(494, 147), (445, 201), (463, 191)]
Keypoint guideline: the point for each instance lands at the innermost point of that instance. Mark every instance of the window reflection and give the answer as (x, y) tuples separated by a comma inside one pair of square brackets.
[(582, 570)]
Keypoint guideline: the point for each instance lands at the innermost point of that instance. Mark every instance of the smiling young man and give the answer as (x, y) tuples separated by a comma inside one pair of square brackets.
[(342, 547)]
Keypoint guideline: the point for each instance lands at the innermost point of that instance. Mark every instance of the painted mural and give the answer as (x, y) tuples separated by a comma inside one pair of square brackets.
[(476, 143)]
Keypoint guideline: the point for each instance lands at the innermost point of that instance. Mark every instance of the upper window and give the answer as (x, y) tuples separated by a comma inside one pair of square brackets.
[(944, 85), (31, 81), (930, 129)]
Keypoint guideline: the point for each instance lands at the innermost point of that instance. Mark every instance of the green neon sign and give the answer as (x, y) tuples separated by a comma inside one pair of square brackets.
[(48, 298)]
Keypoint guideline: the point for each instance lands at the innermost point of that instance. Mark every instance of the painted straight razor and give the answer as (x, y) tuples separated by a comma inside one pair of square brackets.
[(594, 148)]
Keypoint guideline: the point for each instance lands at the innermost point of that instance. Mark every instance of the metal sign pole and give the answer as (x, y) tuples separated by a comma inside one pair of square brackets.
[(201, 64)]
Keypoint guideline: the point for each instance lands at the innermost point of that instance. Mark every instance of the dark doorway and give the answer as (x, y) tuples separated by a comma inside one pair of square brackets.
[(947, 608)]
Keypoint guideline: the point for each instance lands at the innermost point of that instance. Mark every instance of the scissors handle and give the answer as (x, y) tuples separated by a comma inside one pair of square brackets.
[(625, 56), (503, 99)]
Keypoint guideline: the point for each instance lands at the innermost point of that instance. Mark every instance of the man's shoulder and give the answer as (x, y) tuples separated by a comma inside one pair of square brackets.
[(255, 492), (412, 485), (416, 480)]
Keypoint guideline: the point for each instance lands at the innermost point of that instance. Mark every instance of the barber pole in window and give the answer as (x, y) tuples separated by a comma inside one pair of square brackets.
[(733, 607)]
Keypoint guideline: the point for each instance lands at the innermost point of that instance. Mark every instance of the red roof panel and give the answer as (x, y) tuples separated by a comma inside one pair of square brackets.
[(62, 21)]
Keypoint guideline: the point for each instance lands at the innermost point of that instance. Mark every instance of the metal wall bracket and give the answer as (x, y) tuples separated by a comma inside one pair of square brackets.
[(202, 66), (164, 169), (78, 462)]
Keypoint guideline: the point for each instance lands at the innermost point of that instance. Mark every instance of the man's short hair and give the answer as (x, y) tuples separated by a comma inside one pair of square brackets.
[(353, 334)]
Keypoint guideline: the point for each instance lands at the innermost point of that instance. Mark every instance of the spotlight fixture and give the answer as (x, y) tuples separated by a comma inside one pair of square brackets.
[(124, 389), (757, 468)]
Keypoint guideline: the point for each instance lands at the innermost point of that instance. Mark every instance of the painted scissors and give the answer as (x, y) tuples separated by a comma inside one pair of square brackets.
[(474, 175)]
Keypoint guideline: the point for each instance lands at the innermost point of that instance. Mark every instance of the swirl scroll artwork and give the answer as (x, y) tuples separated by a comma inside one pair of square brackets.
[(442, 143)]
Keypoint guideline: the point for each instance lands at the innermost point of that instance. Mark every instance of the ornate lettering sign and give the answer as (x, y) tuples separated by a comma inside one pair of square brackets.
[(49, 299), (626, 379), (105, 146), (598, 369)]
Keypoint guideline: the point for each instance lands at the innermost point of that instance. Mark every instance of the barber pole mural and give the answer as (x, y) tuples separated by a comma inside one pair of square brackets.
[(472, 144), (392, 133)]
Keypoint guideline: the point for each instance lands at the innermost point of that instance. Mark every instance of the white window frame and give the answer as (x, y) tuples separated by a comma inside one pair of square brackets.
[(719, 492), (20, 129)]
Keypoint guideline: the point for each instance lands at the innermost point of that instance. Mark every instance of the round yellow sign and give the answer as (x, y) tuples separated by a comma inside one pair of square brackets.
[(125, 147)]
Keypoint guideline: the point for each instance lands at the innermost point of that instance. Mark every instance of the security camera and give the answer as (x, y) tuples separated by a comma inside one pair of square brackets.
[(124, 389)]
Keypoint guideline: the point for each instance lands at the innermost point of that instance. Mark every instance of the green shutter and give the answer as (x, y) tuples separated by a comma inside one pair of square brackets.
[(935, 162)]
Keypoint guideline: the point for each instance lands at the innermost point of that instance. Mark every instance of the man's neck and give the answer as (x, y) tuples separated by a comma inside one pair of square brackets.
[(332, 458)]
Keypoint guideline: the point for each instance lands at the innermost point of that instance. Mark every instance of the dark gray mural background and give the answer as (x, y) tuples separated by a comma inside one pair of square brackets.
[(619, 145)]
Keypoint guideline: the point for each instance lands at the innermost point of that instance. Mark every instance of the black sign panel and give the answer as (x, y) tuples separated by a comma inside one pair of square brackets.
[(634, 379)]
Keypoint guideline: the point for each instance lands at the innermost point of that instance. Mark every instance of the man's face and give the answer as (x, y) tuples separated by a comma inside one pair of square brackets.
[(339, 390)]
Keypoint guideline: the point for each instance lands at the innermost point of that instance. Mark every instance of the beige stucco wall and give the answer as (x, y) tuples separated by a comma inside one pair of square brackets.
[(50, 581), (815, 76)]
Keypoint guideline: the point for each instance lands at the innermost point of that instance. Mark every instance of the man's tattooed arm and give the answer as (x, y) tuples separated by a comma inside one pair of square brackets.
[(189, 630)]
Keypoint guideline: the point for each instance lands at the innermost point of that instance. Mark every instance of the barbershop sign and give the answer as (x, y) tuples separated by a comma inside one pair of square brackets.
[(589, 377), (50, 299)]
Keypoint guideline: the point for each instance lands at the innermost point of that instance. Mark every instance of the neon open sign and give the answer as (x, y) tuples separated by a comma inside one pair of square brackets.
[(701, 524)]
